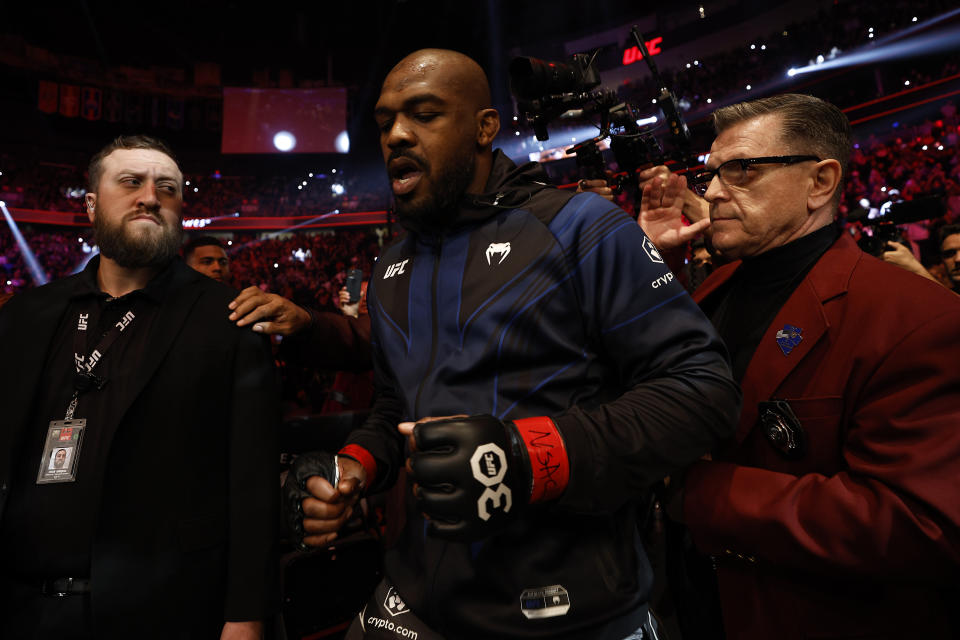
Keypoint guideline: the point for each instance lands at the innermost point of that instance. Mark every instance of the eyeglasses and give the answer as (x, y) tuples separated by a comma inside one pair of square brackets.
[(734, 172)]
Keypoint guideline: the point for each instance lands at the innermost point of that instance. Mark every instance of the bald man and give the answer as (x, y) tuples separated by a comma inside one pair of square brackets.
[(537, 373)]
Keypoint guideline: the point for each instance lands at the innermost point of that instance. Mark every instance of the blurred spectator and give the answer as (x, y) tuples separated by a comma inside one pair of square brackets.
[(206, 255), (352, 390)]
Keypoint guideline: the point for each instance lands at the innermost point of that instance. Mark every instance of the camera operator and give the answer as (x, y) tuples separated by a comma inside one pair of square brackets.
[(950, 254), (899, 254), (833, 513)]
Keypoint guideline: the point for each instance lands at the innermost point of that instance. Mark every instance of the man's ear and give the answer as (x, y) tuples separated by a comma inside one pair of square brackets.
[(824, 182), (91, 200), (488, 125)]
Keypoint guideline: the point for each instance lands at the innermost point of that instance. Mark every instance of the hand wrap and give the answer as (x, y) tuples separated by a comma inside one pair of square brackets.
[(476, 474), (315, 463)]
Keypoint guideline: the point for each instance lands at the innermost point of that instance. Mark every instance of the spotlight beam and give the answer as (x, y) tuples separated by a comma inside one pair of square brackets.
[(924, 44), (36, 271)]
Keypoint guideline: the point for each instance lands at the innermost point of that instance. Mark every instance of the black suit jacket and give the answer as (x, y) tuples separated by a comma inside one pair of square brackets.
[(186, 529)]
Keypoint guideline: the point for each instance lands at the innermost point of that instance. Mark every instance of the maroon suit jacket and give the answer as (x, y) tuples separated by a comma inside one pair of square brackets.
[(859, 537)]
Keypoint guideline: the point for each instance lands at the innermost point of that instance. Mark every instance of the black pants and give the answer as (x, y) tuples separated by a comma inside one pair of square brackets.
[(28, 614)]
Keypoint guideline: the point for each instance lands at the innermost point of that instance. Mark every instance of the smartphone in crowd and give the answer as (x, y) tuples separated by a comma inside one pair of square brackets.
[(354, 278)]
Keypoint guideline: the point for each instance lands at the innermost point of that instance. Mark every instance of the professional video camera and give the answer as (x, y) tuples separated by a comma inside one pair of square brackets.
[(547, 91), (881, 223)]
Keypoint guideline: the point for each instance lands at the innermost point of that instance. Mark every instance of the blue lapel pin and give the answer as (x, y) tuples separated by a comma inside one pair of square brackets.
[(788, 338)]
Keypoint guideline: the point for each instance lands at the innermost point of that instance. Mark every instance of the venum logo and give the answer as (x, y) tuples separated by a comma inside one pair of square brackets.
[(396, 269), (489, 466), (498, 248)]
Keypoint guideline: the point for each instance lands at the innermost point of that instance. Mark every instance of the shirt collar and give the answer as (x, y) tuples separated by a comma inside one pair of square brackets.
[(155, 290)]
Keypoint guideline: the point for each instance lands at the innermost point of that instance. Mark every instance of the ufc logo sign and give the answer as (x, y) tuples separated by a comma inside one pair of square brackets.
[(395, 269)]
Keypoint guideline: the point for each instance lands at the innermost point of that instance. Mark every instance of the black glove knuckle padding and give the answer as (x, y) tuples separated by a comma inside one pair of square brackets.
[(469, 476), (315, 463)]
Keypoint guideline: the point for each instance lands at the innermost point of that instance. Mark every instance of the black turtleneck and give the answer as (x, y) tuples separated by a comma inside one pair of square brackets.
[(746, 305)]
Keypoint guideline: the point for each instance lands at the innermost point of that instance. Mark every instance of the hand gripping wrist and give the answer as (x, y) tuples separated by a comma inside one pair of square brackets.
[(475, 474), (316, 463)]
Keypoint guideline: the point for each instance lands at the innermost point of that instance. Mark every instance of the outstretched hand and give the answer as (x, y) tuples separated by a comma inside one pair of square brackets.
[(661, 213), (271, 313)]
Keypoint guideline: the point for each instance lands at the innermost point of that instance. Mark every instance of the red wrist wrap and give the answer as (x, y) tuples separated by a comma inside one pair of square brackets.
[(549, 466), (362, 456)]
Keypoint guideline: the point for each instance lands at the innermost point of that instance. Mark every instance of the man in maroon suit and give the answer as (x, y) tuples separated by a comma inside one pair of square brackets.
[(835, 512)]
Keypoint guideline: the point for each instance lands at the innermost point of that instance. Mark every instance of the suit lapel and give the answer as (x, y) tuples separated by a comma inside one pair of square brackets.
[(804, 310), (771, 364)]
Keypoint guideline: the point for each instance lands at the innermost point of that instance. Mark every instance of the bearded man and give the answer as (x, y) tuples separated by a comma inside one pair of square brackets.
[(579, 372), (161, 525)]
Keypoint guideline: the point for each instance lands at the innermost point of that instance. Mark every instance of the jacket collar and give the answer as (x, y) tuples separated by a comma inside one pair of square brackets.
[(508, 187), (828, 279)]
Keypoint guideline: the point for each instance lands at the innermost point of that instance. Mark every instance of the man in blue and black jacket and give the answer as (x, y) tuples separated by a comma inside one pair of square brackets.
[(538, 369)]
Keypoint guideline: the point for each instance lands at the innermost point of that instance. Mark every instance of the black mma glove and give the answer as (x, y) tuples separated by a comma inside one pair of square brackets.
[(476, 474), (315, 463)]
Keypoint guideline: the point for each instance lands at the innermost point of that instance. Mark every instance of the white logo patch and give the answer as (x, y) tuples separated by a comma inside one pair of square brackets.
[(501, 248), (545, 602), (395, 269), (652, 252), (393, 603), (489, 466)]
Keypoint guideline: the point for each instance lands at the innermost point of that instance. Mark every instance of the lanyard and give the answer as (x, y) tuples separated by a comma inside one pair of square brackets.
[(85, 379)]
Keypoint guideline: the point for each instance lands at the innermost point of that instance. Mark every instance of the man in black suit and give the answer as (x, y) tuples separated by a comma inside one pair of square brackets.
[(161, 522)]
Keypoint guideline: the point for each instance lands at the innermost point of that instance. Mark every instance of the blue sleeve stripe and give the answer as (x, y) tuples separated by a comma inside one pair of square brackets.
[(560, 281), (637, 317), (536, 388), (571, 216), (534, 299)]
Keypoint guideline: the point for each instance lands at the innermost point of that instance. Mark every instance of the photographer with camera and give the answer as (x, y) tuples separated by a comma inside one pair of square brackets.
[(950, 254), (899, 254), (536, 374), (833, 513)]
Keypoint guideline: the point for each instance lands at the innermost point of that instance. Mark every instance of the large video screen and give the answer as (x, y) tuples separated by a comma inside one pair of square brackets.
[(284, 121)]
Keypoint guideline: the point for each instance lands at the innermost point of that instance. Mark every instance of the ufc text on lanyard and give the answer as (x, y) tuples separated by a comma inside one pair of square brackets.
[(62, 448)]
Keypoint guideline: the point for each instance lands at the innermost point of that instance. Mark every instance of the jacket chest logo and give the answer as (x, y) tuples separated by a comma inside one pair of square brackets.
[(396, 269), (498, 248)]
